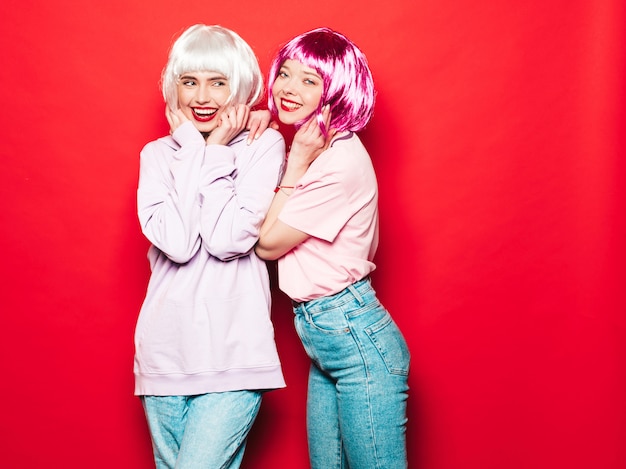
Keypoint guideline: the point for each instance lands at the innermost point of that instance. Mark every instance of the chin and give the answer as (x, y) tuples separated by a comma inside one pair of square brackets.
[(289, 119), (204, 128)]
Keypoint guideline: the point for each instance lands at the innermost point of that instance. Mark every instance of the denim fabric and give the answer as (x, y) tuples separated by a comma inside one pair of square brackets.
[(356, 405), (207, 431)]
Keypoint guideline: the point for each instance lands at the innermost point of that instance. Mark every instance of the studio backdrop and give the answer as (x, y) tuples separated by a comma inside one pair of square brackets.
[(498, 140)]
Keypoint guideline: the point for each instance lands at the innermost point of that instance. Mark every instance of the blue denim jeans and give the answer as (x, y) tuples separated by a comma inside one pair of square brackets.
[(207, 431), (356, 404)]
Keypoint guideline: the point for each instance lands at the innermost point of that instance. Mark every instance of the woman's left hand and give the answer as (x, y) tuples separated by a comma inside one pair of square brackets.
[(258, 122), (231, 121), (309, 141)]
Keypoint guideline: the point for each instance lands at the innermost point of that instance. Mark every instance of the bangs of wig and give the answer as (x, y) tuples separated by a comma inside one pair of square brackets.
[(214, 49), (348, 83)]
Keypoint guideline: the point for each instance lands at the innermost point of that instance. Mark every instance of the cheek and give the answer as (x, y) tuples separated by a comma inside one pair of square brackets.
[(224, 97), (314, 99), (183, 103), (183, 94), (275, 97)]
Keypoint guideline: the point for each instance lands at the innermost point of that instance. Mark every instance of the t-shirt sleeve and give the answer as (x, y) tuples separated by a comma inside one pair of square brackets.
[(318, 206)]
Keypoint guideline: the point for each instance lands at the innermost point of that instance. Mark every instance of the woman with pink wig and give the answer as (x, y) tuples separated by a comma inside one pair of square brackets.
[(322, 227)]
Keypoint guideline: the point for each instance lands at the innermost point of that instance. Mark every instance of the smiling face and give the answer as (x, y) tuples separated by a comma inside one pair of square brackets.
[(200, 97), (296, 91)]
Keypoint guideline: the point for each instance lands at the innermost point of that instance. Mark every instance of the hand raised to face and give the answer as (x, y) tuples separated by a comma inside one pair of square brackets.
[(175, 118), (231, 121), (309, 141)]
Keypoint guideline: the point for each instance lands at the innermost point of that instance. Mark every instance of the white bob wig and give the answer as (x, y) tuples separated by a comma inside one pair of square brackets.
[(203, 48)]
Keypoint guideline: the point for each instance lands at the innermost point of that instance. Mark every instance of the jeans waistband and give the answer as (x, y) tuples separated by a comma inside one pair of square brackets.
[(353, 288)]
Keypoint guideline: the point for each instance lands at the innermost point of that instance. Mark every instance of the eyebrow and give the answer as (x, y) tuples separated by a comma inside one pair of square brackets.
[(306, 72), (212, 77), (313, 74)]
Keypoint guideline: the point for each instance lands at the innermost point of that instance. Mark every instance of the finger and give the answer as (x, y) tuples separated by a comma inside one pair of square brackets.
[(243, 113), (325, 118), (309, 125), (326, 115), (254, 127), (226, 118), (180, 115), (173, 118), (235, 116)]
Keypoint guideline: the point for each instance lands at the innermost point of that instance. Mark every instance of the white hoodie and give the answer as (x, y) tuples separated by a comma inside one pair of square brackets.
[(205, 323)]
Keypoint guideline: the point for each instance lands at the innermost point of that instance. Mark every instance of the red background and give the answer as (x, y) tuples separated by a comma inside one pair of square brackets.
[(498, 141)]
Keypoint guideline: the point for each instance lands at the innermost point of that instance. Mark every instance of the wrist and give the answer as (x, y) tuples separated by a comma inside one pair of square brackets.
[(292, 175), (287, 190)]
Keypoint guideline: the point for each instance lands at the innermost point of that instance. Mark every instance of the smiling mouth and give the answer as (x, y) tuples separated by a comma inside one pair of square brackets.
[(203, 114), (289, 105)]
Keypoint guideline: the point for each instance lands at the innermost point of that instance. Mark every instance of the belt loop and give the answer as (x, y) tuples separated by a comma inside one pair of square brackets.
[(356, 294), (300, 308)]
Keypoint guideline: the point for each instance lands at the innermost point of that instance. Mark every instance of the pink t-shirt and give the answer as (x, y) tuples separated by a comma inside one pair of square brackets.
[(336, 202)]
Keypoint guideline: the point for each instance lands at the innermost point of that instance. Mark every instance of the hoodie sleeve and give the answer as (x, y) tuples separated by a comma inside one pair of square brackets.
[(236, 189), (167, 197)]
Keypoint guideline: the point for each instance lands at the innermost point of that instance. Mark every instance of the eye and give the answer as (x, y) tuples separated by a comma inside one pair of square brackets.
[(187, 82), (282, 74), (308, 81)]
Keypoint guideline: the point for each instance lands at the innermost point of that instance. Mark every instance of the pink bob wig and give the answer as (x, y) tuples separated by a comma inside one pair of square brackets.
[(348, 83)]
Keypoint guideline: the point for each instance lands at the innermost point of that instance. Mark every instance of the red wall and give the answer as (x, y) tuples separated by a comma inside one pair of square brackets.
[(498, 140)]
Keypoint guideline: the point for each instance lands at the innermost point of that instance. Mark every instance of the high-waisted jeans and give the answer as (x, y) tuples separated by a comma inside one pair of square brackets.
[(356, 404)]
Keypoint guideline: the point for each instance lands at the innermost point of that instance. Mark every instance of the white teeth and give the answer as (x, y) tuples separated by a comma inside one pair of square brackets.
[(205, 112), (291, 105)]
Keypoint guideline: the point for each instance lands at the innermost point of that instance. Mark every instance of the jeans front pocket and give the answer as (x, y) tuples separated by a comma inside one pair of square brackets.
[(329, 321), (327, 339)]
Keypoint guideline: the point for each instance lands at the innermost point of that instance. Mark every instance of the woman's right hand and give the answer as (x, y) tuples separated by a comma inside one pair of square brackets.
[(175, 118)]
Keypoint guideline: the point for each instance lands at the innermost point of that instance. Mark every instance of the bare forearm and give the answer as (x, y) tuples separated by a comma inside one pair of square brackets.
[(276, 238), (264, 248)]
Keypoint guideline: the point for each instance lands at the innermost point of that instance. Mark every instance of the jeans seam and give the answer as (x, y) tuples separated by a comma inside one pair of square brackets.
[(368, 376), (242, 435)]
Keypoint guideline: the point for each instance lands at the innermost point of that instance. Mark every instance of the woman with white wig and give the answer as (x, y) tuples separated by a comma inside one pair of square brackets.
[(204, 341)]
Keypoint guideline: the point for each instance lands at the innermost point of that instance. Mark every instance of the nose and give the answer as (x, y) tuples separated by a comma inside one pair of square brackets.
[(203, 94), (288, 87)]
